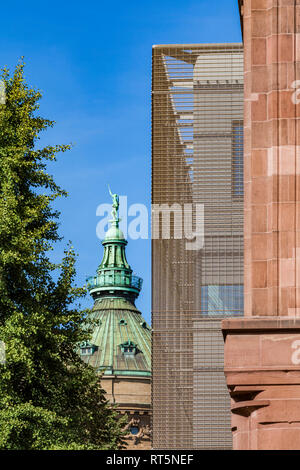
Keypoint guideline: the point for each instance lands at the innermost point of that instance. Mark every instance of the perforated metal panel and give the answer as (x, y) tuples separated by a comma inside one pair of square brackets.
[(197, 160)]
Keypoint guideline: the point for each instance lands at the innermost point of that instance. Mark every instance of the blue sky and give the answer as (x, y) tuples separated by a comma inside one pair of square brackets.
[(92, 62)]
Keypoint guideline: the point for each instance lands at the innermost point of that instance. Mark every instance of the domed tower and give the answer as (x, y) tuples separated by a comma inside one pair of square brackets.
[(120, 347)]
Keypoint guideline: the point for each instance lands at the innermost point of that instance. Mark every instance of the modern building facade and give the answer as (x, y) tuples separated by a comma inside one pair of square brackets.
[(197, 186), (120, 347), (262, 350)]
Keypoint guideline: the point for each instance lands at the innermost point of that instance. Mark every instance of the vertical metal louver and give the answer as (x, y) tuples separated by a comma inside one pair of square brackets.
[(197, 159)]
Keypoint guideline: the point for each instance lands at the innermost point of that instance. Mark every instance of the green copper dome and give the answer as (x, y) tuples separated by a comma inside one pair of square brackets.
[(114, 233), (121, 341)]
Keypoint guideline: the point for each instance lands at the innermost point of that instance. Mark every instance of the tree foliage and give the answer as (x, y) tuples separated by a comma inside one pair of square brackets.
[(49, 398)]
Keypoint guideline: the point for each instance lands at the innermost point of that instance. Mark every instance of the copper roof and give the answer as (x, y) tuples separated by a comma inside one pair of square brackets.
[(119, 322)]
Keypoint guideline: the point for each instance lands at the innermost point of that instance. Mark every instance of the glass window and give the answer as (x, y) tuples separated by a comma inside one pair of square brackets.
[(226, 300)]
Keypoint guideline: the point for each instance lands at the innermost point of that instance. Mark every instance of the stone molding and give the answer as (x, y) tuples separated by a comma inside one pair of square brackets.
[(262, 370)]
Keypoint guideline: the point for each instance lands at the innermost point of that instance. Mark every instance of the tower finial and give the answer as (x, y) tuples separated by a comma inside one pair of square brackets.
[(115, 206)]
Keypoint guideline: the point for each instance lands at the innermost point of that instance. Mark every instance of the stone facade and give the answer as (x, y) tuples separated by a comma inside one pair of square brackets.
[(133, 396), (261, 350), (142, 439), (262, 358)]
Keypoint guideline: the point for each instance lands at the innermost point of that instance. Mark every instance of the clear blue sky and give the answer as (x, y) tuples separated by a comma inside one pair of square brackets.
[(92, 61)]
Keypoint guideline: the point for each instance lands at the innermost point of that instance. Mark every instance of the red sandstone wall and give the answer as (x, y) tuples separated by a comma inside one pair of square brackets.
[(272, 166), (262, 355)]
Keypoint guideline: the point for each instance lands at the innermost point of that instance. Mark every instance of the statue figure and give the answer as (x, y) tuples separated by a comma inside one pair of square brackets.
[(115, 205)]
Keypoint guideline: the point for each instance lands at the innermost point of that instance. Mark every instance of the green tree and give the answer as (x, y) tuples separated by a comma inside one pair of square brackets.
[(49, 398)]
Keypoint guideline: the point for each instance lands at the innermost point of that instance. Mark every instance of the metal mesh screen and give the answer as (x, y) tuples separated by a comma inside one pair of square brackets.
[(197, 162)]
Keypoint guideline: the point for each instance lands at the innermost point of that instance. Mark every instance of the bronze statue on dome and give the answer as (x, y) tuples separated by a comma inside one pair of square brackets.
[(115, 204)]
